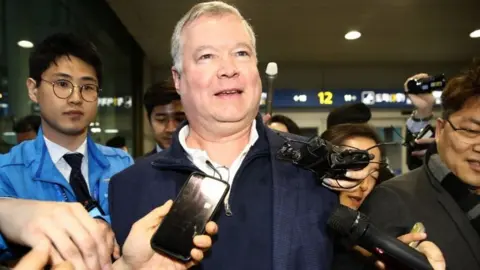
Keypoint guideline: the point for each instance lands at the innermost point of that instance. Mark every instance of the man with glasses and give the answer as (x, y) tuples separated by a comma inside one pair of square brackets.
[(443, 194), (165, 113), (63, 165)]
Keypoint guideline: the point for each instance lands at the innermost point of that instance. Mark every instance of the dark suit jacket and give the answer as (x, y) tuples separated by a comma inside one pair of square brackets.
[(301, 206), (153, 152), (396, 205)]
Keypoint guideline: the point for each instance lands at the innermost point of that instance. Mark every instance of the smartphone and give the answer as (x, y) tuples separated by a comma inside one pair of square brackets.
[(417, 228), (426, 132), (195, 205)]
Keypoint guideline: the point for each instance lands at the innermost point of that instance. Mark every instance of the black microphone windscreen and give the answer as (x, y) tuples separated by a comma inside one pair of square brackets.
[(342, 220)]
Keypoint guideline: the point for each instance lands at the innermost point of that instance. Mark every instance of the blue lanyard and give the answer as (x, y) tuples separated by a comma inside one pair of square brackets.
[(62, 195)]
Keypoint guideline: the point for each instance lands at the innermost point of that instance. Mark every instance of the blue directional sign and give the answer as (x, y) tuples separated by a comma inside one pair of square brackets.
[(293, 98)]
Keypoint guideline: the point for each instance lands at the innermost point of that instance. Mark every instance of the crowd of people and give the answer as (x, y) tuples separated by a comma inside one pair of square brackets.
[(71, 203)]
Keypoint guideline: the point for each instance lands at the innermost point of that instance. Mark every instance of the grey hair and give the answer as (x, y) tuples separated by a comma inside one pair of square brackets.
[(213, 8)]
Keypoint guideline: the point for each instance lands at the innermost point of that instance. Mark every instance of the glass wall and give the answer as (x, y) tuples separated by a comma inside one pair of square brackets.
[(33, 20)]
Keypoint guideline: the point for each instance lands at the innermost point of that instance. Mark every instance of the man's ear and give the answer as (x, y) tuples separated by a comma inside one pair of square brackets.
[(32, 89), (176, 79), (439, 128)]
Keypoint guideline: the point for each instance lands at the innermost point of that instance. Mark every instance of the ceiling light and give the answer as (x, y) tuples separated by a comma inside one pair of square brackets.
[(25, 44), (352, 35), (111, 131), (475, 34)]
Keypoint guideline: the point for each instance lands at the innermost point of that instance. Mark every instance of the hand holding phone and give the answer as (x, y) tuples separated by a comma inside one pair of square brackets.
[(195, 205), (417, 228), (426, 133)]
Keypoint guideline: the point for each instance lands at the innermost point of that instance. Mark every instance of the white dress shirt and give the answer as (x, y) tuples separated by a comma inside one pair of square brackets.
[(200, 157), (57, 152)]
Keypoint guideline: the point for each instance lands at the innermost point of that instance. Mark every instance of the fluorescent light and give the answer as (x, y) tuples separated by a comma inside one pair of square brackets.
[(9, 133), (475, 34), (111, 130), (352, 35), (25, 44), (96, 130)]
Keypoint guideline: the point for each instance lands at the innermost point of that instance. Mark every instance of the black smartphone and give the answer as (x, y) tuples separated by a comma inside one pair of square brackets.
[(426, 132), (195, 205)]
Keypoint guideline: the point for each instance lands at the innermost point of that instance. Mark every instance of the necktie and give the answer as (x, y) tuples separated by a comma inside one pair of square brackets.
[(77, 181)]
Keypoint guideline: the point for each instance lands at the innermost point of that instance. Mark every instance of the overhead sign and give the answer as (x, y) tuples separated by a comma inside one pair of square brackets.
[(291, 98), (119, 102)]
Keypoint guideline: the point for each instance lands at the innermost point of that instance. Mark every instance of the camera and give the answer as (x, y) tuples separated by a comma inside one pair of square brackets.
[(426, 85)]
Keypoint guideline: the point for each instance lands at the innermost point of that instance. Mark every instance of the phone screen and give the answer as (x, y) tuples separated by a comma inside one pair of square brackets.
[(427, 134), (193, 208)]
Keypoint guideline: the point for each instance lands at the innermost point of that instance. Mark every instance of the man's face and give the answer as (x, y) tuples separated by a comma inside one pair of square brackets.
[(460, 150), (25, 136), (164, 120), (220, 82), (70, 116)]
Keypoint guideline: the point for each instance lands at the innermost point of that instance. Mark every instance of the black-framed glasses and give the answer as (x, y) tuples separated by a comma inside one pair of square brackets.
[(64, 89), (465, 135)]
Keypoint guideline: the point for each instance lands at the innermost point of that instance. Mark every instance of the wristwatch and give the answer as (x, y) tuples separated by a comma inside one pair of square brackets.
[(416, 119)]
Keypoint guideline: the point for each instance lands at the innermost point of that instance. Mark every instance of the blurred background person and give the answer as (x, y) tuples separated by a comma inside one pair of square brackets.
[(283, 123), (27, 128), (419, 119), (118, 142), (355, 113), (164, 112)]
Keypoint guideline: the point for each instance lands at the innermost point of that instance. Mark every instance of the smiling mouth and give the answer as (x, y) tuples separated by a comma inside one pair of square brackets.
[(475, 164), (357, 199), (229, 92)]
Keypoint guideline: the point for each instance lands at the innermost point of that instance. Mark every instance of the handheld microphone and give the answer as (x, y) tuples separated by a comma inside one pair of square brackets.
[(324, 158), (391, 251), (271, 71)]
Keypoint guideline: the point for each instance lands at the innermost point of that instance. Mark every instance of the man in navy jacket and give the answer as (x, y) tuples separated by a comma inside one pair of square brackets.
[(274, 216)]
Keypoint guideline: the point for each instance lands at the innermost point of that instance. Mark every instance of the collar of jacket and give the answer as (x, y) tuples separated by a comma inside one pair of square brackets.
[(175, 155), (38, 159)]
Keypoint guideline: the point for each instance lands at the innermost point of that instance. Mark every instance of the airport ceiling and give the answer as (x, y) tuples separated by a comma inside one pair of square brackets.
[(312, 31)]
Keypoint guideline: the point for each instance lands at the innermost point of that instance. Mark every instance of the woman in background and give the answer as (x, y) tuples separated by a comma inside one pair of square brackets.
[(358, 136)]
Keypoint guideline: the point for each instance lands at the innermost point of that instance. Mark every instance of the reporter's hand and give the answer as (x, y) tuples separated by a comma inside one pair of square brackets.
[(407, 239), (422, 153), (429, 249), (138, 254), (76, 236), (423, 102), (433, 254), (110, 240), (38, 258), (354, 181)]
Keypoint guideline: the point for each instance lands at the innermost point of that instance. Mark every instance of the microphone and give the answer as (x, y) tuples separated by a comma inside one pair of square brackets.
[(391, 251), (323, 158), (272, 71)]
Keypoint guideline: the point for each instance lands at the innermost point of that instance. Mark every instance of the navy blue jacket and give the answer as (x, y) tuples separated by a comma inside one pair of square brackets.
[(301, 206)]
